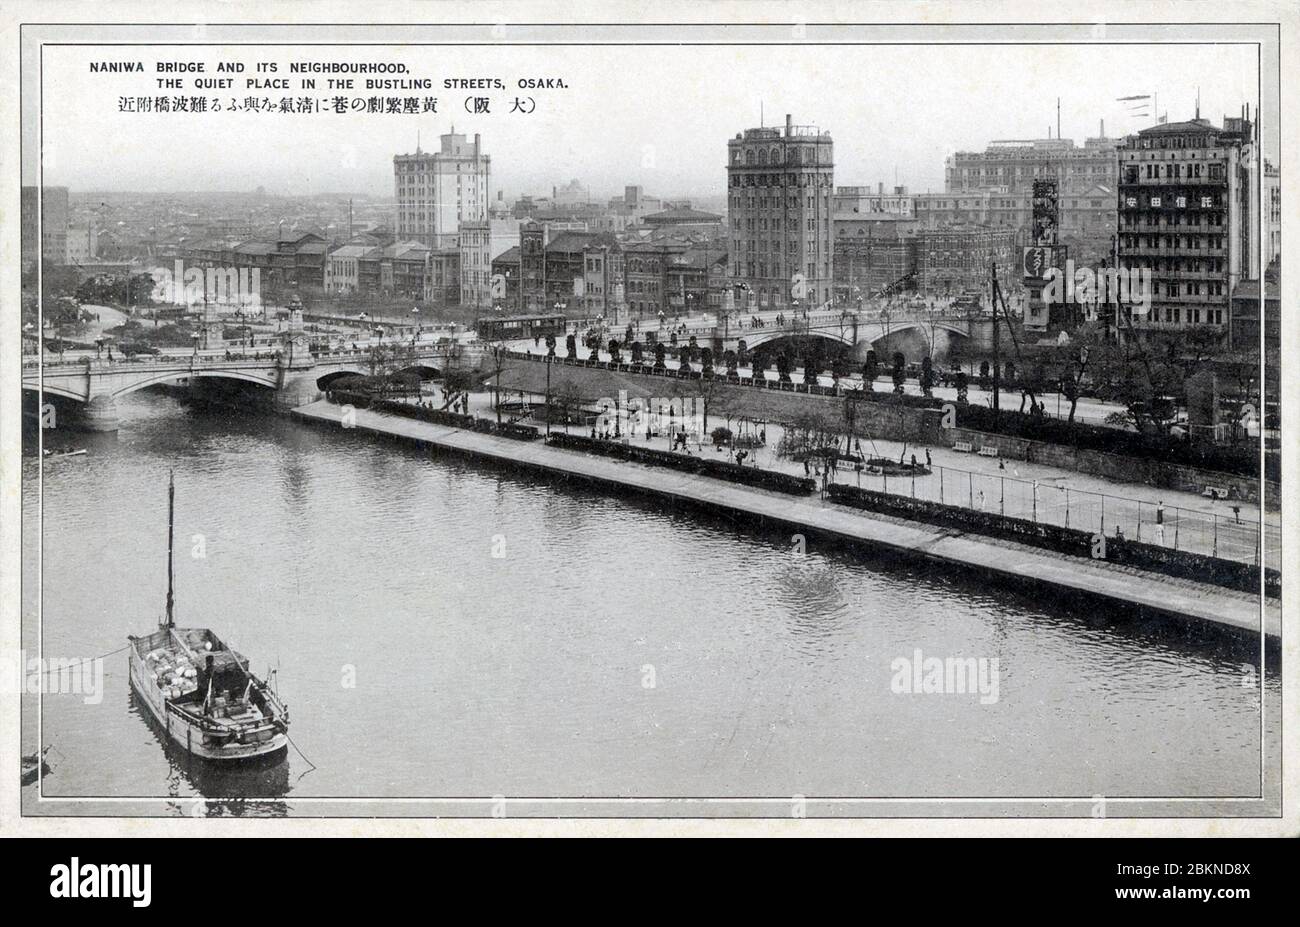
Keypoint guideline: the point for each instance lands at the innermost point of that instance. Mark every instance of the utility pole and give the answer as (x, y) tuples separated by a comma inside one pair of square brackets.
[(993, 296), (1114, 258)]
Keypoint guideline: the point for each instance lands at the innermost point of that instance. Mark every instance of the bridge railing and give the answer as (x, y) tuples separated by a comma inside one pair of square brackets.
[(795, 321), (139, 361), (209, 359)]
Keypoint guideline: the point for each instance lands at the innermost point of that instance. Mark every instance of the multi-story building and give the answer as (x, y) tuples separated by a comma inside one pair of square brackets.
[(873, 252), (603, 279), (1087, 219), (550, 268), (480, 243), (53, 224), (574, 193), (1246, 312), (508, 266), (697, 279), (532, 267), (1014, 165), (683, 220), (780, 184), (634, 204), (475, 245), (294, 262), (649, 290), (865, 201), (1186, 213), (1272, 212), (83, 243), (955, 260), (393, 270), (442, 285), (994, 187), (343, 274), (411, 270), (436, 191), (564, 267)]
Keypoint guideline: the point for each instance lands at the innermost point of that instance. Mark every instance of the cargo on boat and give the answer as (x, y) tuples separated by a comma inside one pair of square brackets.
[(202, 693)]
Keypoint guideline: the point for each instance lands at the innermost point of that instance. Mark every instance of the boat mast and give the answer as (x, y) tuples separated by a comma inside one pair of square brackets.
[(171, 508)]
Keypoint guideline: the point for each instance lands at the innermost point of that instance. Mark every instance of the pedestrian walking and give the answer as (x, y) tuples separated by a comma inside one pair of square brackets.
[(1160, 522)]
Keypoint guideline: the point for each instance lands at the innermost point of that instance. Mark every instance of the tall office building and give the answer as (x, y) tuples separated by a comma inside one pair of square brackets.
[(1012, 165), (780, 187), (436, 191), (54, 225), (1272, 212), (1187, 194)]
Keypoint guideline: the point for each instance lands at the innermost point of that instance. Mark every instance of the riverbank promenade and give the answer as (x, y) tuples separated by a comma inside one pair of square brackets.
[(1199, 602)]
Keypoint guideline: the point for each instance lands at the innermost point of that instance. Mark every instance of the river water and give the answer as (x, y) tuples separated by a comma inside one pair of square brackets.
[(443, 629)]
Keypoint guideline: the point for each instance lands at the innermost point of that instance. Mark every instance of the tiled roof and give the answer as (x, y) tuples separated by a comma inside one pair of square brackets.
[(256, 246), (1181, 128), (411, 250), (681, 214), (352, 251), (570, 241)]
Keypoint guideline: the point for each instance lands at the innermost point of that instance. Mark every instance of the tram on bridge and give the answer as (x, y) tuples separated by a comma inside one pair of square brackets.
[(514, 327)]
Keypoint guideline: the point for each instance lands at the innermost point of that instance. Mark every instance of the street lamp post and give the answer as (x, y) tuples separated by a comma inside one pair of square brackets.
[(549, 358)]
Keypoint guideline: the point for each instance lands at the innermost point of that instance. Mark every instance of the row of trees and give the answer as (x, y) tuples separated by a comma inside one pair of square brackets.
[(1147, 376)]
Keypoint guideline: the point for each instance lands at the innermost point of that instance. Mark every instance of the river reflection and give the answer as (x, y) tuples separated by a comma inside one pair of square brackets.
[(445, 629)]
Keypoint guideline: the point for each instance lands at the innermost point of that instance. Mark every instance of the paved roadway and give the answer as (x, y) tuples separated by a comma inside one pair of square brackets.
[(1037, 492)]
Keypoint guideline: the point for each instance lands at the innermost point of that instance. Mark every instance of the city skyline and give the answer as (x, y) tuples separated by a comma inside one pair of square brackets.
[(659, 142)]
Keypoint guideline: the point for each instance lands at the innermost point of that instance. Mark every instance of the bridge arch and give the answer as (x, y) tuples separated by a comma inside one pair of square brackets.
[(197, 374), (51, 389), (426, 371), (53, 385), (878, 333), (780, 338), (325, 379)]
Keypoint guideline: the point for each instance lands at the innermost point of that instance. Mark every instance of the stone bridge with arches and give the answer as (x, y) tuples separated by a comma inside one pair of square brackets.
[(860, 330), (854, 332), (293, 376)]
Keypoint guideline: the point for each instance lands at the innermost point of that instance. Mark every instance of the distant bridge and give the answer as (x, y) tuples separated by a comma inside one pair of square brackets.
[(845, 327), (296, 375)]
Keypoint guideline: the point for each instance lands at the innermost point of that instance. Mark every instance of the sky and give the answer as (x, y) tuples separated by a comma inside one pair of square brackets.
[(657, 116)]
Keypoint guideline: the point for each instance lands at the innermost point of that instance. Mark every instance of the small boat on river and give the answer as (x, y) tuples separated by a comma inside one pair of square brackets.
[(202, 693)]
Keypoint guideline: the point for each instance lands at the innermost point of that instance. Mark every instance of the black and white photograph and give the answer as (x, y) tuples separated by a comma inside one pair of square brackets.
[(787, 415)]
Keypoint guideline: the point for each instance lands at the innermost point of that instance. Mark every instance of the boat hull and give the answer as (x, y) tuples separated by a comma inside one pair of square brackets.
[(189, 736)]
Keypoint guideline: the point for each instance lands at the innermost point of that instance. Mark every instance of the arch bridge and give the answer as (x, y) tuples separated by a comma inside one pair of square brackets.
[(844, 327), (294, 374)]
